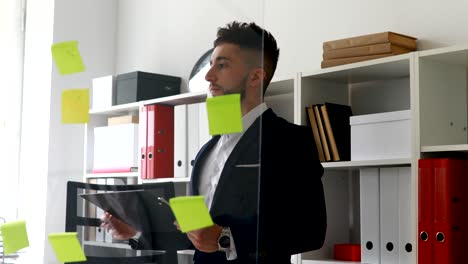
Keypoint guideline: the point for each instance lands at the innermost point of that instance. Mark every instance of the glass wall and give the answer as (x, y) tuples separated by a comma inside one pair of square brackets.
[(162, 134)]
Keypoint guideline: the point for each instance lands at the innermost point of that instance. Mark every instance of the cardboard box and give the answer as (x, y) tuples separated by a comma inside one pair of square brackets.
[(137, 86), (381, 136), (103, 92), (126, 119)]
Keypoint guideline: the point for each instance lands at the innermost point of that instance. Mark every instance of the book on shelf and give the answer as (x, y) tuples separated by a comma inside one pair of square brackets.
[(336, 62), (374, 49), (126, 119), (321, 128), (335, 118), (315, 132), (363, 40)]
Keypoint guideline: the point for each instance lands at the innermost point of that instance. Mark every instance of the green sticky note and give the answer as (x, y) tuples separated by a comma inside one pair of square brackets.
[(75, 106), (66, 246), (14, 236), (67, 57), (224, 114), (190, 212)]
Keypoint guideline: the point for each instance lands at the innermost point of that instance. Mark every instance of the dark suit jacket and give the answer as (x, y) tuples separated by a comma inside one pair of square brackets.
[(270, 193)]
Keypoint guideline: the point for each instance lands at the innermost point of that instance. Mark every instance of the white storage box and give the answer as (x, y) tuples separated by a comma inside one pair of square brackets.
[(103, 92), (381, 136), (116, 146)]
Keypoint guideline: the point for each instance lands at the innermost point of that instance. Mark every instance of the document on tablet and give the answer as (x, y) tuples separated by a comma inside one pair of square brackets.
[(140, 209)]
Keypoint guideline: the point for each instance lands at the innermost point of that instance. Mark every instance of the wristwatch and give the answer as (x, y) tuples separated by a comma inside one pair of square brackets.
[(224, 240)]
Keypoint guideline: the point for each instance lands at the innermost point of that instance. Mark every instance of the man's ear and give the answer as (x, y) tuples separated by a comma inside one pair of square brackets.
[(257, 77)]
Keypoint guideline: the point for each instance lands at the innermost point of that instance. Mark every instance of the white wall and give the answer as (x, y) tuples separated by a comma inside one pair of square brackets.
[(53, 153), (93, 24), (169, 36), (434, 23)]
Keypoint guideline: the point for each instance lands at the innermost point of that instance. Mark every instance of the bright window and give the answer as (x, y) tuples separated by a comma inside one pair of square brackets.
[(11, 72)]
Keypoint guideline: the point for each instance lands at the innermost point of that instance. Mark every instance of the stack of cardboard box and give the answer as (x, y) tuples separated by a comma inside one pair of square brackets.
[(366, 47)]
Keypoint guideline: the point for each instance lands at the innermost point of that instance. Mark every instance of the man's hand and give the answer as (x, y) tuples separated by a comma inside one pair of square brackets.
[(118, 229), (205, 239)]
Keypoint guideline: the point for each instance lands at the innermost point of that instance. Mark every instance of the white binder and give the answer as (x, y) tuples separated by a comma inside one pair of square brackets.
[(193, 141), (407, 238), (389, 215), (204, 131), (370, 215), (180, 141)]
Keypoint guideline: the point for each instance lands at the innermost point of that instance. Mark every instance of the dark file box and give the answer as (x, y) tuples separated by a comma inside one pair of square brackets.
[(138, 86)]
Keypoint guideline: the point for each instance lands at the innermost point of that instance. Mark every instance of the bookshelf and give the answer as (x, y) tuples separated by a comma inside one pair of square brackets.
[(184, 179), (369, 87), (112, 175), (432, 84), (445, 148), (98, 117), (365, 164), (442, 81)]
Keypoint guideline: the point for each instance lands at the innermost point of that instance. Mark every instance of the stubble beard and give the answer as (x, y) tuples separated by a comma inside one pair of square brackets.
[(240, 89)]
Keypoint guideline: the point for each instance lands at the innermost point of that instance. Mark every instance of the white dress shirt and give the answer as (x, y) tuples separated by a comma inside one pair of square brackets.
[(211, 170)]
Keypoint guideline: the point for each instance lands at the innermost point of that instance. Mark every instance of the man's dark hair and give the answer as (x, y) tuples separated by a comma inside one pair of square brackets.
[(252, 37)]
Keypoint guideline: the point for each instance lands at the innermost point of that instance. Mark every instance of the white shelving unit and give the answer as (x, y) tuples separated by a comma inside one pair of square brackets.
[(443, 98), (366, 163), (98, 117), (445, 148), (116, 109), (185, 179), (328, 262), (369, 87), (112, 175), (431, 84)]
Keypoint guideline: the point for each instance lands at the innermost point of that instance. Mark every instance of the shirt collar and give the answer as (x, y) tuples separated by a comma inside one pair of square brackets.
[(247, 120), (252, 115)]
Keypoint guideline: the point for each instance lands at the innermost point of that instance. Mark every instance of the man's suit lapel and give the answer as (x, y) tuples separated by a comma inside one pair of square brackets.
[(249, 141), (195, 178)]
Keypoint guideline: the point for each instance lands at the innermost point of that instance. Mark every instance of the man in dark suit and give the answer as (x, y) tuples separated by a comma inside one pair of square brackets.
[(263, 186)]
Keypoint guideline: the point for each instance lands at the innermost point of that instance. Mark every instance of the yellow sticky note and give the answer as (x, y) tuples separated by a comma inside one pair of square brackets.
[(224, 114), (67, 57), (66, 246), (14, 236), (190, 212), (75, 106)]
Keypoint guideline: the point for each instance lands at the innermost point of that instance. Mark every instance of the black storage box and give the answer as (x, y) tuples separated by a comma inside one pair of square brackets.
[(137, 86)]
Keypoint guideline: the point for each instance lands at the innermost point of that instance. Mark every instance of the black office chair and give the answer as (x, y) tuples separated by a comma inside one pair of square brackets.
[(126, 255)]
